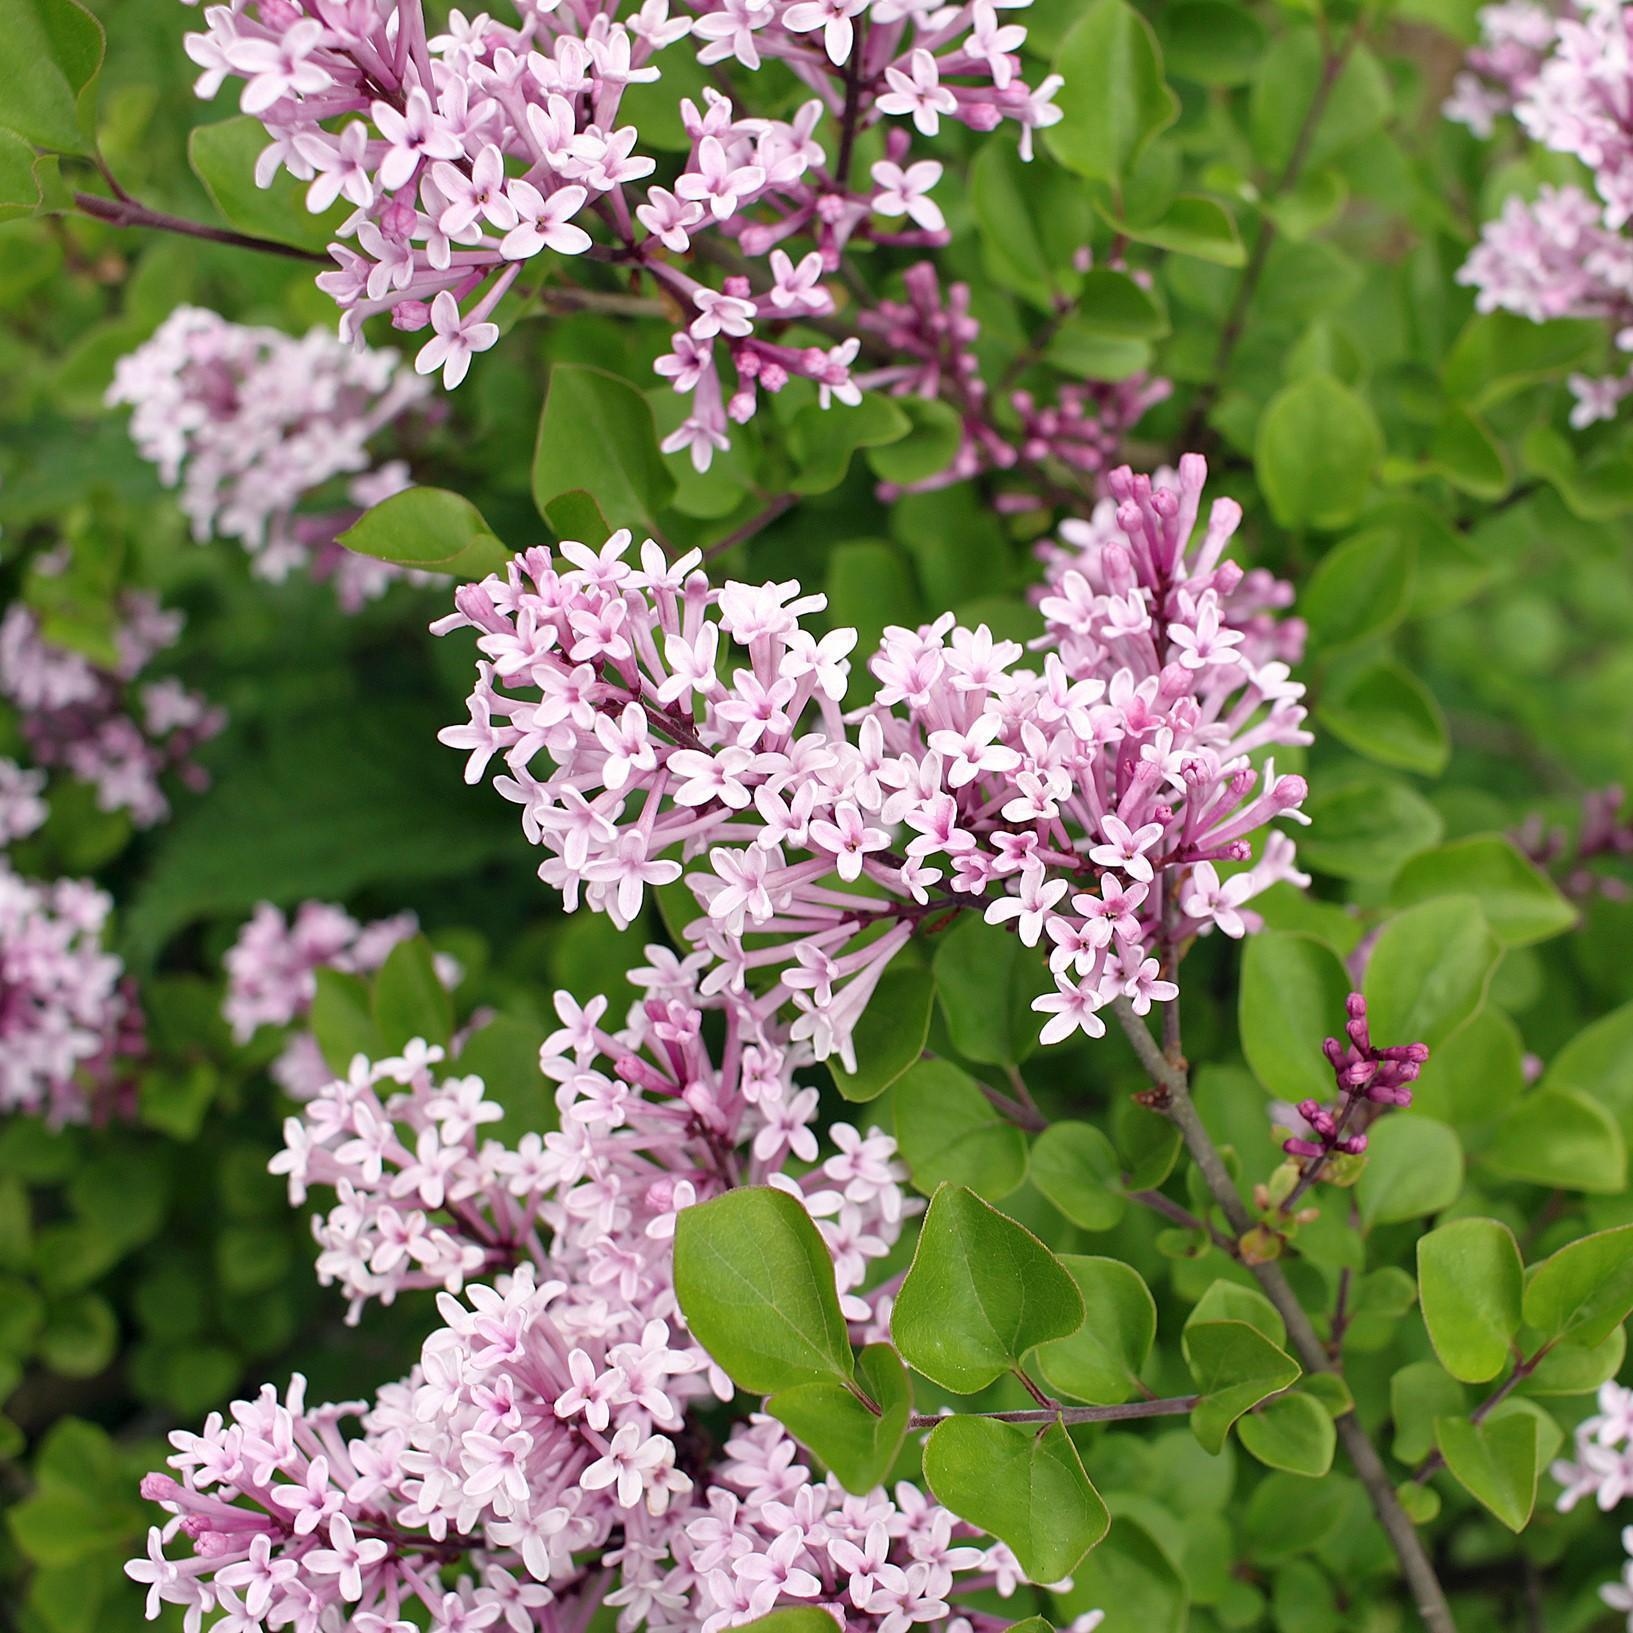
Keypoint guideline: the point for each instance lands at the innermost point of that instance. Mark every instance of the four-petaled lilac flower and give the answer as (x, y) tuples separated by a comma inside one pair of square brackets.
[(457, 339)]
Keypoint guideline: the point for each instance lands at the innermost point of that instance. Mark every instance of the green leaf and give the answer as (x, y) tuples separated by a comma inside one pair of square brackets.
[(1598, 1062), (1293, 1432), (62, 1526), (1100, 1363), (986, 982), (1032, 219), (1292, 996), (755, 1282), (409, 1000), (54, 48), (1235, 1367), (981, 1292), (1360, 588), (1366, 827), (947, 1130), (1231, 1301), (1212, 43), (1577, 1369), (1025, 1488), (1112, 304), (1469, 1278), (1134, 1571), (891, 1034), (332, 803), (596, 435), (342, 1020), (1495, 1462), (1520, 904), (1428, 971), (1317, 446), (1192, 225), (927, 450), (1414, 1167), (429, 529), (1561, 1139), (869, 584), (858, 1446), (80, 1337), (1119, 100), (19, 185), (1285, 89), (1418, 1395), (1585, 1290), (822, 440), (223, 157), (1499, 353), (505, 1055), (1075, 1166), (1464, 451)]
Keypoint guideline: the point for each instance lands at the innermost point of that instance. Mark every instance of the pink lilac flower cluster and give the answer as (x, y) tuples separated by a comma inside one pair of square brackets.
[(1603, 832), (1516, 39), (272, 976), (22, 807), (1601, 1467), (466, 154), (542, 1446), (929, 340), (652, 727), (1568, 79), (250, 422), (69, 1021), (106, 725)]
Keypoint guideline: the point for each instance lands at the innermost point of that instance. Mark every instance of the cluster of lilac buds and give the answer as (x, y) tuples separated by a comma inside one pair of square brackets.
[(1567, 77), (105, 725), (1085, 802), (250, 422), (1604, 832), (538, 1461), (69, 1021), (465, 155), (1367, 1077), (928, 341), (272, 976)]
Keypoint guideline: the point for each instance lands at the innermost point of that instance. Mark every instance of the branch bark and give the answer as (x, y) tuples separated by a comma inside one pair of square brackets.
[(1174, 1082)]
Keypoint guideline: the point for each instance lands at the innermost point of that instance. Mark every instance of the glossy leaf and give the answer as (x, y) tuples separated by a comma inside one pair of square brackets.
[(1414, 1167), (431, 530), (982, 1290), (1075, 1166), (1235, 1367), (756, 1284), (1100, 1363), (1495, 1462), (1120, 100), (1024, 1487), (1561, 1139), (946, 1129), (223, 157), (1386, 713), (596, 435), (858, 1446), (986, 981), (1360, 588), (1584, 1291), (1293, 1432), (1428, 971), (1317, 446), (890, 1036), (1366, 827), (1520, 904), (1469, 1280), (409, 1000), (1292, 996), (54, 51)]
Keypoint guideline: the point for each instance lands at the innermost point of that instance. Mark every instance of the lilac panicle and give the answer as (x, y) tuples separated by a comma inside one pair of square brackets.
[(652, 727)]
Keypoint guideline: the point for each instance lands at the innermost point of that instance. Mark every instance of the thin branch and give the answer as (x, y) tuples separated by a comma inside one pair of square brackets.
[(755, 524), (1523, 1368), (124, 212), (1176, 1104), (1171, 1407), (1183, 1217)]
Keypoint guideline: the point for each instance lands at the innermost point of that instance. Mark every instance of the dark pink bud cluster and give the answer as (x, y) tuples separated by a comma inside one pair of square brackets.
[(1364, 1074)]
